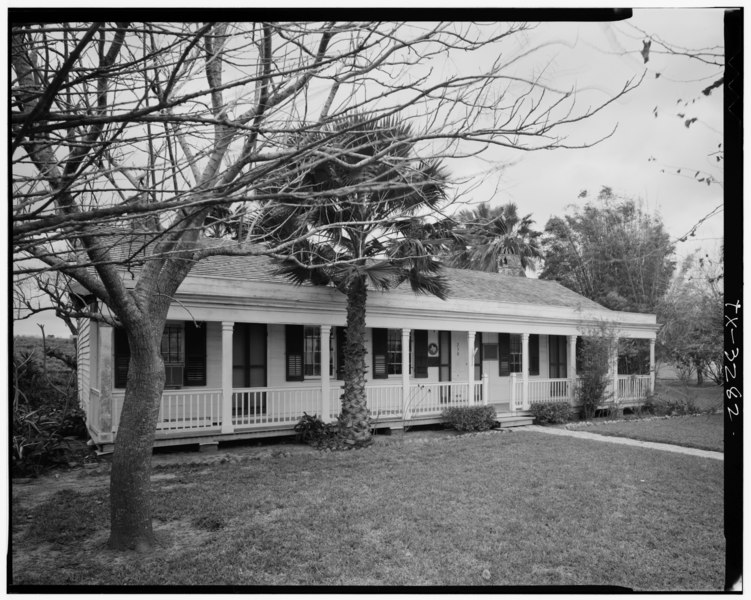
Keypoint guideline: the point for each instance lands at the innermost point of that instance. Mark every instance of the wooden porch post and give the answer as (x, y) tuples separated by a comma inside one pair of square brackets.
[(525, 371), (614, 367), (406, 412), (106, 382), (652, 370), (227, 425), (571, 367), (471, 366), (325, 373), (512, 393)]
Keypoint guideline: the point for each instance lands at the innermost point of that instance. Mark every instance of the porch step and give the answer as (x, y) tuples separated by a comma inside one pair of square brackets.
[(514, 420)]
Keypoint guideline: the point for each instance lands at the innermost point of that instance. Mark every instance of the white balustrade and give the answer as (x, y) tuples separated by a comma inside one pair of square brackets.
[(201, 410), (180, 410), (272, 406), (633, 387), (434, 398)]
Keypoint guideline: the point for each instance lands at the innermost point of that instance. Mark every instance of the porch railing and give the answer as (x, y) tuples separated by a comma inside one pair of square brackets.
[(185, 410), (273, 406), (424, 399), (201, 410), (633, 387), (541, 390)]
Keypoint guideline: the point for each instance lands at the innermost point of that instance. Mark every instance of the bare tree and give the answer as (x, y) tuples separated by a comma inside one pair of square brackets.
[(129, 141)]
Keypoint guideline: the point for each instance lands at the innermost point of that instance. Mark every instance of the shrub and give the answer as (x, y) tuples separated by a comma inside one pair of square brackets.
[(470, 418), (659, 406), (310, 429), (45, 411), (551, 412)]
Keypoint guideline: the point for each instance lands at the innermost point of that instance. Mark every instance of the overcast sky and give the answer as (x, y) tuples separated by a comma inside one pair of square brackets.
[(597, 59)]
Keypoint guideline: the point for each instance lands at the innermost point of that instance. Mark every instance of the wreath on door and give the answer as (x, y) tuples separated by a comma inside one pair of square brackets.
[(432, 349)]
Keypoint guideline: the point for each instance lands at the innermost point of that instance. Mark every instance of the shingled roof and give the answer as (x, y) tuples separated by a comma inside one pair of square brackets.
[(463, 284)]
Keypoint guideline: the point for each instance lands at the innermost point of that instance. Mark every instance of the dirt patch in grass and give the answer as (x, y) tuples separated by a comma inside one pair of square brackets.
[(494, 509)]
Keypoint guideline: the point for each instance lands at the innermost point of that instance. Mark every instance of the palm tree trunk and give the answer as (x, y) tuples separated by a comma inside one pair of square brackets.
[(355, 419)]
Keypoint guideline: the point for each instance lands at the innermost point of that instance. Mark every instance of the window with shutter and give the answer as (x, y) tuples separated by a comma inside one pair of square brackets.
[(294, 337), (557, 353), (122, 357), (249, 355), (195, 354), (380, 353), (504, 354), (534, 354), (444, 356), (421, 353)]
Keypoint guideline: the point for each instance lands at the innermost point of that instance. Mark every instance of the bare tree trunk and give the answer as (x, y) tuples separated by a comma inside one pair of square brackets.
[(355, 423), (699, 373), (130, 483)]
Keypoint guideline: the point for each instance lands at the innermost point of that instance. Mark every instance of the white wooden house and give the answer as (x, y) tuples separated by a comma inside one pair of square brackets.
[(247, 352)]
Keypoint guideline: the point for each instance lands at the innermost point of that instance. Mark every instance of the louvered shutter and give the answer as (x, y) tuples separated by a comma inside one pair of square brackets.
[(380, 353), (421, 353), (504, 354), (295, 340), (122, 357), (534, 354), (195, 354), (341, 343)]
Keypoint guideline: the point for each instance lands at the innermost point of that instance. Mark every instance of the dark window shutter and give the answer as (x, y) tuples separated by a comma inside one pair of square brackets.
[(295, 339), (504, 354), (421, 353), (122, 357), (534, 354), (478, 356), (380, 353), (195, 354), (257, 341), (341, 343)]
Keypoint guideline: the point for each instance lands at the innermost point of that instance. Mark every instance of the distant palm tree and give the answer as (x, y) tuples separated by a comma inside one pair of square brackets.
[(489, 236), (365, 187)]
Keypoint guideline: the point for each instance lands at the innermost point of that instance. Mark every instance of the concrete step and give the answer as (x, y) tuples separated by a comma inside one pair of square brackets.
[(515, 421)]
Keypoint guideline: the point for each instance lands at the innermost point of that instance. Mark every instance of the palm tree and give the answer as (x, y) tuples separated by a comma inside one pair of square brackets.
[(489, 236), (365, 188)]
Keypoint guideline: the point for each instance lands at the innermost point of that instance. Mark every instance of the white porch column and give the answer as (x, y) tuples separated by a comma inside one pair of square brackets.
[(106, 382), (525, 371), (571, 369), (512, 393), (227, 425), (614, 368), (325, 372), (471, 366), (405, 374), (485, 389), (652, 370)]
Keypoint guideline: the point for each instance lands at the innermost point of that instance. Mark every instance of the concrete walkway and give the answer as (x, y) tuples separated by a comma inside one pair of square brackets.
[(624, 441)]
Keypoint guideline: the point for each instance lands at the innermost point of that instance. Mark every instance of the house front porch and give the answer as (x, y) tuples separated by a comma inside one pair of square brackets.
[(210, 415)]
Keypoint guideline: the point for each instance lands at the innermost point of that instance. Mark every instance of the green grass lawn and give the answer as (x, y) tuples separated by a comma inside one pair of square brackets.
[(516, 508), (706, 397), (695, 431)]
